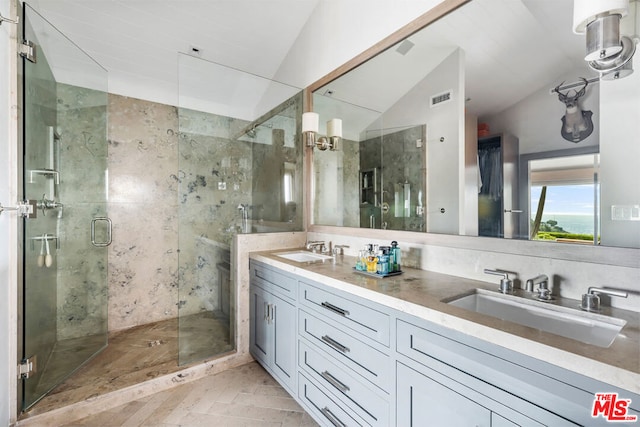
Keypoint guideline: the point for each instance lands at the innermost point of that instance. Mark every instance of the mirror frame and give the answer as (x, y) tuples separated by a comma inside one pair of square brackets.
[(607, 255)]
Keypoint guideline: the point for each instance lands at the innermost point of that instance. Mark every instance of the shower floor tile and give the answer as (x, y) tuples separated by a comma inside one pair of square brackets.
[(242, 396), (136, 355)]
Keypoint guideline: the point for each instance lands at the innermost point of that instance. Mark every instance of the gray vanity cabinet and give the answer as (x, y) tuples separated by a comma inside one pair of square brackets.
[(351, 361), (439, 374), (273, 324), (343, 345), (423, 402)]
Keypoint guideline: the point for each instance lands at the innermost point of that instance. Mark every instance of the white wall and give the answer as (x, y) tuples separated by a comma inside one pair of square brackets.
[(8, 221), (340, 30), (444, 158), (536, 120)]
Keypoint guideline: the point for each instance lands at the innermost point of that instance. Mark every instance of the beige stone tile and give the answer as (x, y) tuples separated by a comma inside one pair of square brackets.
[(114, 417), (257, 413), (307, 421), (298, 419), (210, 420), (271, 390), (151, 406), (272, 402)]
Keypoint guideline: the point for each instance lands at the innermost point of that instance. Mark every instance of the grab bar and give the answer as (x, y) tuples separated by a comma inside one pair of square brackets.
[(93, 232)]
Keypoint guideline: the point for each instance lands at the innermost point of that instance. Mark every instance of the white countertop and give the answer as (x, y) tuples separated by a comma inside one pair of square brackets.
[(421, 293)]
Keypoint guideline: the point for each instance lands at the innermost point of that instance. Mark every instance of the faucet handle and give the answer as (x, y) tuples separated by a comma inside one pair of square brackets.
[(506, 284), (591, 300), (339, 249)]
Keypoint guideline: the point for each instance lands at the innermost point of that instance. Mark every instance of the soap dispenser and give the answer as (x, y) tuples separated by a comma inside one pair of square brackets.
[(397, 256)]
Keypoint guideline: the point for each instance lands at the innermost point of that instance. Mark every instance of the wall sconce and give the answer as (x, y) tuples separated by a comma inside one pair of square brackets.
[(600, 20), (607, 51), (310, 129)]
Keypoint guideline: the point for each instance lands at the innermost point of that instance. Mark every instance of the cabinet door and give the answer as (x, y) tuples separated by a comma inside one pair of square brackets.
[(422, 401), (499, 421), (259, 328), (283, 319)]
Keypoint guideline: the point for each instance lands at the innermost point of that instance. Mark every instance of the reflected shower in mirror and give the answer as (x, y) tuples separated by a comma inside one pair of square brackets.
[(438, 137)]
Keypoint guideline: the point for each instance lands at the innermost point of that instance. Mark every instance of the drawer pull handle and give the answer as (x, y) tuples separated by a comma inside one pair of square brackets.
[(334, 382), (337, 310), (332, 418), (335, 344)]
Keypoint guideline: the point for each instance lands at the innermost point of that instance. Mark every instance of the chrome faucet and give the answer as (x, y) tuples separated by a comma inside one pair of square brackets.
[(542, 280), (46, 204), (339, 249), (313, 245), (591, 300), (506, 284)]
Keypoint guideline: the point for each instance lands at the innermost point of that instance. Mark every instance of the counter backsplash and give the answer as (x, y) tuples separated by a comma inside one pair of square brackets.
[(568, 278)]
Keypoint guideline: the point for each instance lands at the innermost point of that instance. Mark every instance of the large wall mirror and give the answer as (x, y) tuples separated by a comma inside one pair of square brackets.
[(487, 122)]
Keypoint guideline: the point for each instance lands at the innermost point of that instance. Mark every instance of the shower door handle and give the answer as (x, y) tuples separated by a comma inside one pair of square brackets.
[(93, 232)]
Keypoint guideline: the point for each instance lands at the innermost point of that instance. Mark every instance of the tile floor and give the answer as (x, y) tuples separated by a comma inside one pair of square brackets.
[(242, 396), (132, 357)]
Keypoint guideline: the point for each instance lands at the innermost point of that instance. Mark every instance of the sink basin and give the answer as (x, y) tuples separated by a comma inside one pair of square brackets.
[(589, 328), (303, 256)]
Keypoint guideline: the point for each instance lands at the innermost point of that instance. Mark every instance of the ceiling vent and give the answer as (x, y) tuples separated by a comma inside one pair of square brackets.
[(441, 98), (404, 47)]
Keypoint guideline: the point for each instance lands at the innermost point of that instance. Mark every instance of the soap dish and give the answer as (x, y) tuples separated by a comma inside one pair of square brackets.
[(376, 275)]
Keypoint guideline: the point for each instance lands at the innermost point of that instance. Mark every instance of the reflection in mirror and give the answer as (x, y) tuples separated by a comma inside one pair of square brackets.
[(452, 114), (377, 178), (561, 191)]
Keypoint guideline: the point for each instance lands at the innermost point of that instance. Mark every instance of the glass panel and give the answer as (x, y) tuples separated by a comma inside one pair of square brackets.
[(65, 146), (240, 171)]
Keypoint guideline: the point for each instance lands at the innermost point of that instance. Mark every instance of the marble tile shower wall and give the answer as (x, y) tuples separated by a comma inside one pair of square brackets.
[(398, 160), (215, 177), (404, 162), (143, 205), (175, 181), (82, 269)]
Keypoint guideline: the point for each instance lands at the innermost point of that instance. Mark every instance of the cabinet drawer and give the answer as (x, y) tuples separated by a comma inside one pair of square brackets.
[(358, 356), (326, 410), (360, 398), (273, 281), (367, 321)]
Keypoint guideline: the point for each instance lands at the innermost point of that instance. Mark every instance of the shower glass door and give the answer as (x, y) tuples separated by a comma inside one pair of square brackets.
[(64, 171)]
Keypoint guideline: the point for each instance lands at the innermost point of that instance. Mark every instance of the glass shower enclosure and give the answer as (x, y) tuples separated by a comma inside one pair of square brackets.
[(64, 296), (239, 171)]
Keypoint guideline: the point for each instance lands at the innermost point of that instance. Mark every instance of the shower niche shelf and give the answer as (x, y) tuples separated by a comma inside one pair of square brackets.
[(45, 237), (47, 173), (369, 187)]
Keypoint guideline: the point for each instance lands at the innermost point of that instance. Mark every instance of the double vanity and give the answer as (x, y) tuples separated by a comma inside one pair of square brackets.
[(425, 348)]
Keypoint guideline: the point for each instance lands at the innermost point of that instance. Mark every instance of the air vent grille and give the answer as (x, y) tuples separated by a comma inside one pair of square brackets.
[(441, 98)]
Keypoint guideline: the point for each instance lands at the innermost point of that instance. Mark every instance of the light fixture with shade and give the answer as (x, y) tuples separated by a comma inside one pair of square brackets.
[(607, 50), (600, 21), (310, 128)]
